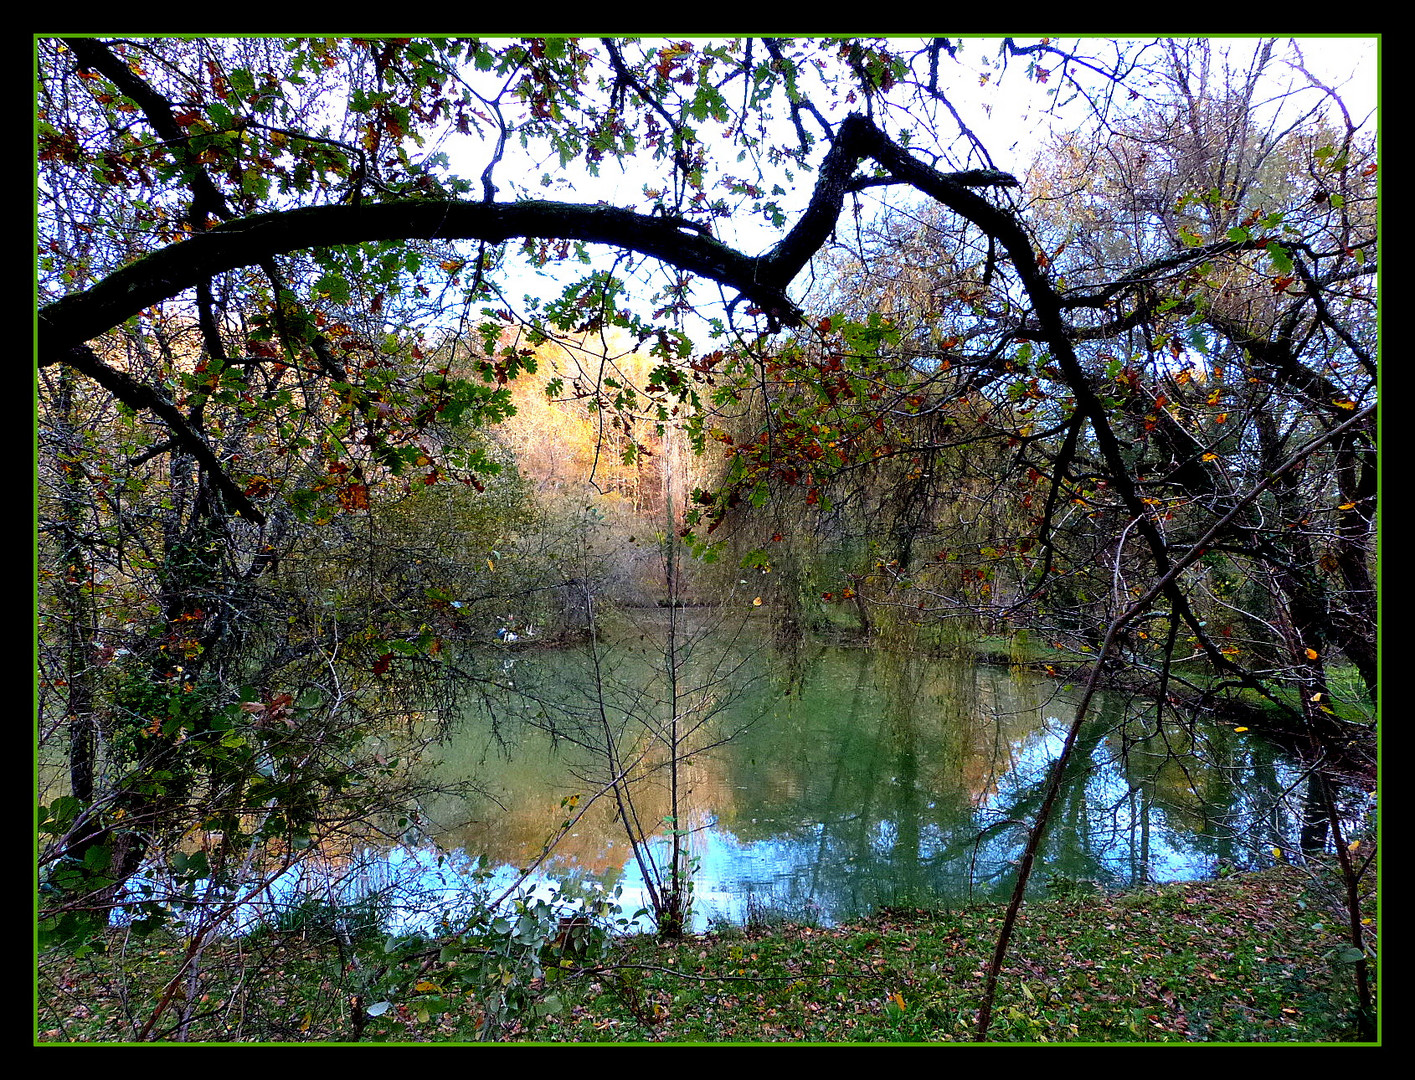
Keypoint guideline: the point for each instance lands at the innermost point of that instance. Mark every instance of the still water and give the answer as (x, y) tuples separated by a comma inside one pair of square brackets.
[(826, 783)]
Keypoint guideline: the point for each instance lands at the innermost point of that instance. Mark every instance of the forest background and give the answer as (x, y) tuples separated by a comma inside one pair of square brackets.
[(333, 333)]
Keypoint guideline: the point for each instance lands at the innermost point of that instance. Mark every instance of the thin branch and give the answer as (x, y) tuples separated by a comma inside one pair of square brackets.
[(1053, 789)]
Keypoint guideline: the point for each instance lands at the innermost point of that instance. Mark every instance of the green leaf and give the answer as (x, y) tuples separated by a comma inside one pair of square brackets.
[(242, 82), (333, 286), (1281, 261), (56, 817)]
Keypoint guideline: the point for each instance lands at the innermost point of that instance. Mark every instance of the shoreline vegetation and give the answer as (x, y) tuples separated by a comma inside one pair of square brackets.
[(1246, 958)]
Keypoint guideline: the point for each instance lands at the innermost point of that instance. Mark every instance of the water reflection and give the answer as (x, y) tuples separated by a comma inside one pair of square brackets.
[(878, 778)]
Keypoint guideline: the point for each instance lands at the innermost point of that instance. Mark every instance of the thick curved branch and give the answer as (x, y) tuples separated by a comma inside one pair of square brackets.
[(80, 317), (857, 139)]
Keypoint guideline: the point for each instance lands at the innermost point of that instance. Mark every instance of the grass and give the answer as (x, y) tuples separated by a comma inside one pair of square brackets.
[(1230, 961), (1348, 699), (1247, 959)]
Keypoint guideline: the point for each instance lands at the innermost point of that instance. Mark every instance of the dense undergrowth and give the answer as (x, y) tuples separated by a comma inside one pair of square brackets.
[(1245, 959)]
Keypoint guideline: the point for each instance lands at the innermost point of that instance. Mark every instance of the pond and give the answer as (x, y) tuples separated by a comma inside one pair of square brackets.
[(825, 783)]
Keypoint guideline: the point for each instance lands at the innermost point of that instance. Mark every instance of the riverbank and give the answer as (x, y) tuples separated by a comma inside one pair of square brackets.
[(1349, 745), (1251, 958)]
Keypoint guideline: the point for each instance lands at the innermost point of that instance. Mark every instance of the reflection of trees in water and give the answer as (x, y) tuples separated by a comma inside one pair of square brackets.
[(885, 777), (916, 745), (1161, 792), (1161, 806)]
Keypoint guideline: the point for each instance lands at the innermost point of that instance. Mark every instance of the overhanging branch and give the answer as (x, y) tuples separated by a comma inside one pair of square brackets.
[(80, 317)]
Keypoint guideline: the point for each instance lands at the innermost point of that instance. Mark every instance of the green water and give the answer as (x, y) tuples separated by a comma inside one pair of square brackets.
[(828, 782)]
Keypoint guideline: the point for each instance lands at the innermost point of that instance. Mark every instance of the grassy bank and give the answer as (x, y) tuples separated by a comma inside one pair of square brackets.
[(1251, 958)]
